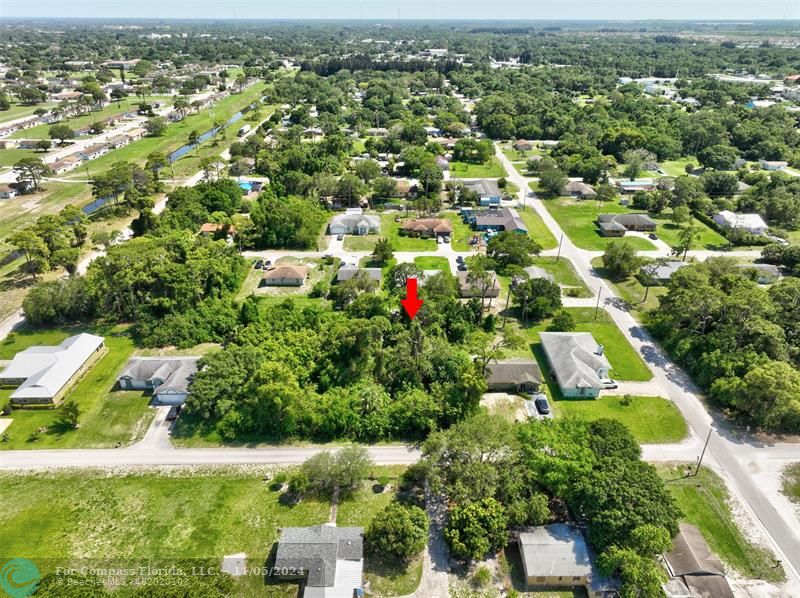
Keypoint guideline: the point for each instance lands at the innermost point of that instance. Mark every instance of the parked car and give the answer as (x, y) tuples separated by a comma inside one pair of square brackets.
[(340, 237), (542, 406), (653, 236), (609, 384), (462, 267), (173, 413), (259, 264), (439, 240), (460, 259), (446, 238)]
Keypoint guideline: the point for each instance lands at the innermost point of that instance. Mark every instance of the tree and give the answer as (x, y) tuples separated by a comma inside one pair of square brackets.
[(718, 157), (61, 133), (610, 438), (118, 94), (552, 181), (194, 140), (476, 528), (31, 170), (43, 145), (686, 238), (155, 126), (487, 346), (35, 250), (768, 396), (563, 321), (69, 413), (681, 214), (481, 276), (537, 297), (641, 576), (620, 259), (337, 474), (30, 95), (382, 254), (398, 532), (384, 187), (512, 248), (155, 162), (367, 170)]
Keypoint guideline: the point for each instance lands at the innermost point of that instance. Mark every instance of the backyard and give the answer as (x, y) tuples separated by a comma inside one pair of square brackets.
[(492, 169), (705, 502), (107, 417)]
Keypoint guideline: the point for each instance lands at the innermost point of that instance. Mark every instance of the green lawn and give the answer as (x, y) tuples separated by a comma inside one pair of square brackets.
[(9, 157), (492, 169), (360, 242), (704, 501), (537, 229), (650, 419), (107, 416), (391, 230), (631, 290), (22, 210), (432, 263), (19, 111), (186, 514), (626, 364), (791, 482), (669, 232), (577, 220), (676, 168), (564, 274), (462, 233)]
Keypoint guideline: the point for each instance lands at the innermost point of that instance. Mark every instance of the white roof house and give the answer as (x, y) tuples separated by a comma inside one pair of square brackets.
[(355, 222), (42, 372), (577, 361), (555, 550), (752, 223)]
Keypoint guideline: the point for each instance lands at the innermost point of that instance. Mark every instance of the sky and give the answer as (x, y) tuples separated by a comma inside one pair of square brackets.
[(407, 9)]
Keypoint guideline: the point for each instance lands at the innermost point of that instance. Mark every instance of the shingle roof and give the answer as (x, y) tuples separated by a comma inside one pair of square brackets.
[(574, 359), (508, 218), (421, 225), (348, 272), (47, 370), (627, 220), (174, 372), (555, 550), (316, 550), (513, 371), (484, 187), (691, 555), (281, 272), (578, 187)]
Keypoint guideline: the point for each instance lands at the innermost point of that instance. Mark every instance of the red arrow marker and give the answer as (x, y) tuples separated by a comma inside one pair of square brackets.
[(411, 303)]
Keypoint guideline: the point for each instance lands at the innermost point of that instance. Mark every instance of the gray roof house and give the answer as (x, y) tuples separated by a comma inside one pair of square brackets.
[(42, 374), (470, 289), (616, 225), (692, 562), (577, 362), (328, 559), (765, 273), (167, 377), (350, 271), (516, 375), (578, 189), (484, 188), (506, 219), (556, 556), (354, 222)]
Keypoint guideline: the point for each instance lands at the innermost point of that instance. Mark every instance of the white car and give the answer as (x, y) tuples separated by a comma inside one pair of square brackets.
[(439, 240), (608, 384)]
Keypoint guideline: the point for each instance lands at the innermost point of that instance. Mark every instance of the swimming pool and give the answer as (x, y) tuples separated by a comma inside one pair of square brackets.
[(246, 185)]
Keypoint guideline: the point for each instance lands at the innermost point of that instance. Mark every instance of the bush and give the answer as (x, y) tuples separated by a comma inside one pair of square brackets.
[(7, 408), (476, 528), (398, 532), (482, 576)]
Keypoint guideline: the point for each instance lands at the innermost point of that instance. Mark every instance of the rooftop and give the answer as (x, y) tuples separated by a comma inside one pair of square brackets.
[(555, 550), (318, 550), (575, 358)]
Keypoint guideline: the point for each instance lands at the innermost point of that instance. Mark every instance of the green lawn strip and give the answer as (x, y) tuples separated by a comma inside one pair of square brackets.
[(391, 230), (577, 219), (107, 416), (462, 233), (669, 232), (177, 134), (676, 168), (537, 229), (652, 420), (626, 364), (429, 262), (22, 210), (19, 111), (564, 274), (791, 482), (631, 290), (492, 169), (704, 501), (361, 242), (9, 157)]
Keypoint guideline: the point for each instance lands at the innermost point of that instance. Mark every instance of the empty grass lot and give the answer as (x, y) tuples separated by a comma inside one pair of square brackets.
[(577, 219), (429, 262), (676, 168), (537, 229), (564, 274), (791, 482), (651, 420), (707, 238), (9, 157), (107, 416), (462, 233), (704, 501), (492, 169), (626, 364), (19, 111), (631, 290), (22, 210), (389, 230)]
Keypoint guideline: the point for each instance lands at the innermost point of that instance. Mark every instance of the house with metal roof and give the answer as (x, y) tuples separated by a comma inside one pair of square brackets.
[(468, 288), (167, 377), (514, 375), (43, 374), (578, 362), (752, 223), (350, 271), (328, 560), (504, 219)]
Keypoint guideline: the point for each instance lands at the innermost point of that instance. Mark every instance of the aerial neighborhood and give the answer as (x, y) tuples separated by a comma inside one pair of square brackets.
[(460, 308)]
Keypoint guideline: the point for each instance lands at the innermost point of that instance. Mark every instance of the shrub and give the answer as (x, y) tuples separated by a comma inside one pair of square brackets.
[(482, 576), (398, 532)]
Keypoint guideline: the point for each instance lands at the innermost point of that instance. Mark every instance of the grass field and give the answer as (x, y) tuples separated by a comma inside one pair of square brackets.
[(537, 229), (18, 111), (22, 210), (9, 157), (186, 514), (428, 262), (391, 230), (626, 364), (652, 420), (107, 416), (492, 169), (462, 233), (791, 482), (631, 290), (704, 501), (360, 242), (564, 274), (669, 232), (676, 168), (577, 219)]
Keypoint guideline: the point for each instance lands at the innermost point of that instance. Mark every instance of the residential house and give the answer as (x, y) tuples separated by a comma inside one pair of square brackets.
[(514, 375), (217, 230), (42, 374), (427, 227), (136, 134), (557, 556), (443, 163), (626, 186), (752, 223), (773, 164), (354, 222), (504, 219), (350, 271), (94, 151), (486, 189), (377, 132), (523, 145), (579, 189), (763, 273), (692, 562), (468, 288), (118, 141), (167, 377), (7, 191), (327, 560), (577, 362), (286, 276), (66, 164), (663, 271), (616, 225)]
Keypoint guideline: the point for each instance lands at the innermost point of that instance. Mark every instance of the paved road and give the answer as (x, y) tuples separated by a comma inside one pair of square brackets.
[(724, 447)]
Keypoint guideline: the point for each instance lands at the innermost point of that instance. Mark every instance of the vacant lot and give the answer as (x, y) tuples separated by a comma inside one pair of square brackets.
[(577, 219), (669, 232), (564, 274), (631, 290), (537, 229), (429, 262), (704, 501), (107, 417), (652, 420), (492, 169)]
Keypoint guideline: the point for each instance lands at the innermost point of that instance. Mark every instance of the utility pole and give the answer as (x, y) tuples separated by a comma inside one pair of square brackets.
[(705, 446), (560, 241), (597, 307)]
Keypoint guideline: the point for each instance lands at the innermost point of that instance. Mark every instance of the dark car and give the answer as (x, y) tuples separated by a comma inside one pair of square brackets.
[(267, 264), (542, 406), (340, 237), (259, 264), (462, 267), (174, 412), (653, 236), (460, 259)]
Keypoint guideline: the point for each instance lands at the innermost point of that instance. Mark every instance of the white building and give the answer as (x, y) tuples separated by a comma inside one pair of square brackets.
[(752, 223), (355, 222), (773, 164)]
